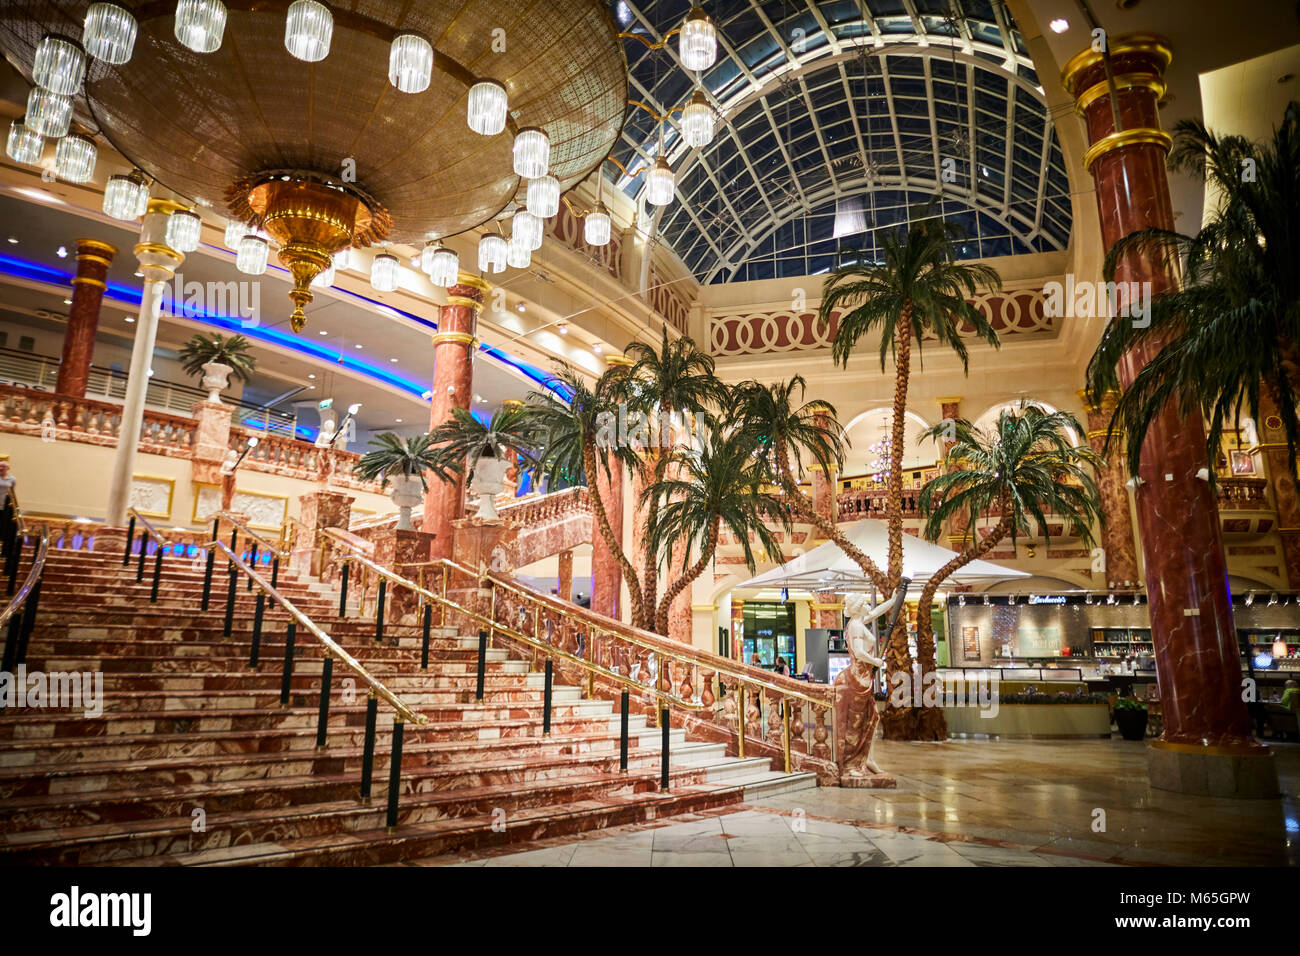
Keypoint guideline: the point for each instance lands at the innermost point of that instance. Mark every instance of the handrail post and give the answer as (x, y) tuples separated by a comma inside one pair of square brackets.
[(368, 754), (144, 551), (443, 617), (666, 724), (286, 676), (343, 589), (394, 774), (229, 624), (622, 734), (275, 572), (157, 574), (326, 676), (482, 666), (256, 648), (15, 557), (130, 537), (252, 562), (546, 700), (207, 577), (424, 644), (29, 622), (379, 610)]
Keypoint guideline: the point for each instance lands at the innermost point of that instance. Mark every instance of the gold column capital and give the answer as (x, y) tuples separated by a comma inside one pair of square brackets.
[(1151, 43)]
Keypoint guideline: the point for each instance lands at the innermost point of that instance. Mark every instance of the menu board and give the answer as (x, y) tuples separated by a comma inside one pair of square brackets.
[(970, 642), (1038, 641)]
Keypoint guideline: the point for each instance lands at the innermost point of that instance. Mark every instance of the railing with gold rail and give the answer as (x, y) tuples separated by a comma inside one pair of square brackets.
[(20, 613), (609, 654), (161, 548)]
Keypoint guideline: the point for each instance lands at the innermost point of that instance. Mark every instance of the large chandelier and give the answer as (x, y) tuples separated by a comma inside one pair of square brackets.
[(327, 125)]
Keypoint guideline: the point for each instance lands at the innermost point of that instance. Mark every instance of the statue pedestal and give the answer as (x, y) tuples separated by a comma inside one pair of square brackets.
[(394, 548), (317, 511)]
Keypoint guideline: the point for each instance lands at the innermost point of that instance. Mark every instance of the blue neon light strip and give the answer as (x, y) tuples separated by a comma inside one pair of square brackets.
[(34, 271)]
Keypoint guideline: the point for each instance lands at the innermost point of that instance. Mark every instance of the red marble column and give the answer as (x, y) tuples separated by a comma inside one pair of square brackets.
[(827, 610), (606, 576), (1277, 465), (565, 576), (1117, 540), (453, 384), (824, 484), (88, 286), (959, 524), (1197, 658)]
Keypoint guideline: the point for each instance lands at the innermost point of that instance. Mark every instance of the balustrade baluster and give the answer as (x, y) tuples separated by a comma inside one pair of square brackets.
[(754, 715), (820, 749), (774, 719), (797, 743), (707, 699)]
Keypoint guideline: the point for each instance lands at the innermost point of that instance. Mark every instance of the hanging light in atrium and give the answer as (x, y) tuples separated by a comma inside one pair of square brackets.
[(184, 228), (528, 227), (518, 253), (543, 197), (74, 158), (235, 230), (660, 183), (385, 269), (492, 252), (126, 197), (596, 226), (444, 266), (532, 152), (49, 114), (109, 33), (201, 24), (410, 63), (697, 121), (308, 30), (697, 44), (24, 145), (254, 251), (487, 107), (60, 64)]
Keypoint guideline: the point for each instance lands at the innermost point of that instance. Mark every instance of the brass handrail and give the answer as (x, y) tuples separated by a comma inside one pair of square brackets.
[(350, 662), (148, 526), (249, 532), (493, 627), (19, 600)]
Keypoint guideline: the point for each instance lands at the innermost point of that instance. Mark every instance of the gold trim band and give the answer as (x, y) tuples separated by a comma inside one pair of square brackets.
[(92, 257), (164, 206), (1128, 137), (93, 283), (158, 249), (464, 302), (1130, 43), (96, 245), (1125, 81), (456, 338), (473, 281)]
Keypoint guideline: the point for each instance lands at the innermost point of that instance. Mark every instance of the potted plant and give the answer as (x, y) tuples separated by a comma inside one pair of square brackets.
[(216, 358), (1131, 718), (485, 450), (403, 462)]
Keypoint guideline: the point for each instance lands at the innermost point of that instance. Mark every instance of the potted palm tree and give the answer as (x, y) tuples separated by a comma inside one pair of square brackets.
[(1131, 718), (217, 357), (485, 450), (913, 287), (1026, 468), (403, 463)]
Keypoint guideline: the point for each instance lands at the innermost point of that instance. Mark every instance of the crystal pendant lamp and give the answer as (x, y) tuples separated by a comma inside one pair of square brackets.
[(74, 158), (532, 152), (492, 253), (697, 121), (126, 197), (487, 107), (183, 230), (528, 227), (596, 226), (308, 30), (384, 272), (698, 41), (660, 183), (235, 230), (544, 196), (444, 266), (254, 251), (200, 24), (109, 33), (24, 145), (518, 254), (60, 65), (410, 63), (49, 114)]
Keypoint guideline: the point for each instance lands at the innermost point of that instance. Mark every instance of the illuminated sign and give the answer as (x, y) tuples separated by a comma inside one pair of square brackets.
[(1047, 599)]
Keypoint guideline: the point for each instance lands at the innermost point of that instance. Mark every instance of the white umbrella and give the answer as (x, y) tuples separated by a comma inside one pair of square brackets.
[(827, 568)]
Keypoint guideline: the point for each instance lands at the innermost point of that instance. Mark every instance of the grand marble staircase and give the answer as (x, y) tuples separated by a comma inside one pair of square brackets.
[(193, 761)]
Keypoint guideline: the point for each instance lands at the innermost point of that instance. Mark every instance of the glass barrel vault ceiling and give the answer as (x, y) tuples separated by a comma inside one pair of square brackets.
[(880, 103)]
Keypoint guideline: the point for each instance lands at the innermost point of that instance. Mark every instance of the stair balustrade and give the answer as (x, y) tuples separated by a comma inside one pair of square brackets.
[(19, 615)]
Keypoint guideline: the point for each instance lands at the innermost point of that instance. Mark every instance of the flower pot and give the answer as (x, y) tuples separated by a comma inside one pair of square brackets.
[(1132, 724), (407, 493), (488, 482), (216, 376)]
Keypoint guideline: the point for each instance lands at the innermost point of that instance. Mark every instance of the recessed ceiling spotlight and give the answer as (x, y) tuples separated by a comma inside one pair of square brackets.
[(138, 275), (67, 302), (1059, 25), (323, 332), (61, 252), (358, 345), (398, 420), (520, 306), (392, 360), (311, 375), (596, 348), (130, 318), (564, 328), (13, 241)]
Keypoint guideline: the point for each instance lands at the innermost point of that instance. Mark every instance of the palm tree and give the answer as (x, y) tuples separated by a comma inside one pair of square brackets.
[(676, 379), (571, 440), (1230, 334), (407, 457), (714, 486), (784, 430), (463, 439), (917, 289), (233, 351), (1026, 469)]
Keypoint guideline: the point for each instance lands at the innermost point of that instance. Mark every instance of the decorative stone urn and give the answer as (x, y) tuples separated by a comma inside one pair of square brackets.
[(216, 376), (488, 482), (407, 493)]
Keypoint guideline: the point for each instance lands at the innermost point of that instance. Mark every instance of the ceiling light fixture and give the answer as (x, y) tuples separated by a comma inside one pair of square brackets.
[(184, 229), (697, 121), (49, 114), (108, 33), (254, 251), (410, 63), (74, 158), (532, 152), (519, 254), (308, 30), (126, 197), (444, 266), (1059, 25), (543, 196), (487, 107), (200, 24), (385, 271), (492, 252), (660, 183), (59, 65), (697, 44), (24, 145)]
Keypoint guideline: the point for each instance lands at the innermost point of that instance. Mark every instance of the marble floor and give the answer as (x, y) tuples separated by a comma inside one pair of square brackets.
[(959, 803)]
